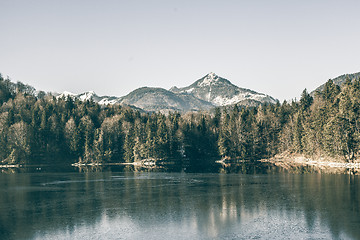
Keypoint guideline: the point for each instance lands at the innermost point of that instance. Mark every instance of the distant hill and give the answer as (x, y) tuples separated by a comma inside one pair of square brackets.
[(340, 80)]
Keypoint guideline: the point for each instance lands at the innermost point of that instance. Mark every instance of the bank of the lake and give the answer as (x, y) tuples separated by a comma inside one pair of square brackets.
[(322, 163), (293, 163)]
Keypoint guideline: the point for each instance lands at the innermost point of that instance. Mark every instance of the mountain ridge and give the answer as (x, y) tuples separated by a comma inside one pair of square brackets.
[(205, 93), (339, 80)]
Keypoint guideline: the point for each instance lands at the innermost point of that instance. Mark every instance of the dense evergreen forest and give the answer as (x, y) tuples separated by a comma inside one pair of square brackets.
[(38, 128)]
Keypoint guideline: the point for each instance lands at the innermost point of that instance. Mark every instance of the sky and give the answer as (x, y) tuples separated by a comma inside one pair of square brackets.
[(277, 47)]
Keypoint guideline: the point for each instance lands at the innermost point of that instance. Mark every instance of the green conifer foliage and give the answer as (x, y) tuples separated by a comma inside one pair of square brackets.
[(39, 129)]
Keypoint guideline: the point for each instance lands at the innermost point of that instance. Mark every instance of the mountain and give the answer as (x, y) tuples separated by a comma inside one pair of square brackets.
[(204, 94), (340, 80), (91, 95), (159, 99), (221, 92)]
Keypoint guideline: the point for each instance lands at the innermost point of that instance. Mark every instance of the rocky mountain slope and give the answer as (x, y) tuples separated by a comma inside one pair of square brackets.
[(159, 99), (204, 94)]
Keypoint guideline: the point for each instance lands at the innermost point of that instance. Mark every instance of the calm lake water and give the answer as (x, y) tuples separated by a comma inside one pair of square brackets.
[(149, 205)]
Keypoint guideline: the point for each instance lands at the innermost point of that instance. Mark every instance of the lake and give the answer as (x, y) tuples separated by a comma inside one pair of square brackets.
[(155, 205)]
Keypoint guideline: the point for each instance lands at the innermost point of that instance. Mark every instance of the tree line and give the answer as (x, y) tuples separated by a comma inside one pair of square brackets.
[(38, 128)]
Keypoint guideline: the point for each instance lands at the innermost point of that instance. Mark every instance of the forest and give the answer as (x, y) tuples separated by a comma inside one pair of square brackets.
[(38, 128)]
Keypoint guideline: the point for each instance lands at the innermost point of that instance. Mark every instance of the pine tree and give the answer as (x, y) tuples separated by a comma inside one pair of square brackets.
[(306, 100), (72, 136), (129, 145)]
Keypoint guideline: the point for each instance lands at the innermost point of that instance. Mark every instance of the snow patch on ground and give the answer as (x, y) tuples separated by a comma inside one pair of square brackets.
[(190, 90)]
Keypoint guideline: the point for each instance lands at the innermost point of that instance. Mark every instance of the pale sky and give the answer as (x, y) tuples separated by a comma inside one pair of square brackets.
[(115, 46)]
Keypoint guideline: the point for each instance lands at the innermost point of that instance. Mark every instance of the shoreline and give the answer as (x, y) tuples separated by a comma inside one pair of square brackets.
[(286, 161), (317, 163)]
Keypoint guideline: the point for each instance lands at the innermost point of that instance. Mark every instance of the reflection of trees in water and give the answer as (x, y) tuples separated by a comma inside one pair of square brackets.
[(210, 203), (271, 167)]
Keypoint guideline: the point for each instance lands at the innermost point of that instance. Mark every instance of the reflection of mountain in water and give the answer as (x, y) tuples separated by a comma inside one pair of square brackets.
[(150, 205)]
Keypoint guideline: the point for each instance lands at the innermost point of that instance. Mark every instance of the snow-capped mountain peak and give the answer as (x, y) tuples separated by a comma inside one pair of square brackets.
[(87, 95), (209, 79), (66, 94), (221, 92)]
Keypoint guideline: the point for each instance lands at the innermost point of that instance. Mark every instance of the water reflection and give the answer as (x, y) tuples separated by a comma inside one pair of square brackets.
[(110, 205), (195, 166), (271, 167)]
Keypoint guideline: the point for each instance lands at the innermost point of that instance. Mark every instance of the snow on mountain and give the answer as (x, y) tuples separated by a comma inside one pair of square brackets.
[(91, 95), (66, 94), (210, 79), (221, 92), (87, 96), (107, 101)]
